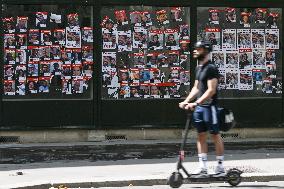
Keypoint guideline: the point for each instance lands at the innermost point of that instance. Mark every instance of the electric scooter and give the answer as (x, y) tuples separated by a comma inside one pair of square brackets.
[(233, 176)]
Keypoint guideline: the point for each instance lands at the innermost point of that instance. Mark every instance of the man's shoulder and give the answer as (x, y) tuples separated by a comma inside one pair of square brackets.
[(212, 69), (211, 65)]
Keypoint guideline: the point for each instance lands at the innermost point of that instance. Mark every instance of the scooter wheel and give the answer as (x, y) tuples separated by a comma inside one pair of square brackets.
[(234, 177), (175, 180)]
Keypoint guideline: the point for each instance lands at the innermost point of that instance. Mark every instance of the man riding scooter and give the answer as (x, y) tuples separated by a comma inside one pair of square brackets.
[(202, 99)]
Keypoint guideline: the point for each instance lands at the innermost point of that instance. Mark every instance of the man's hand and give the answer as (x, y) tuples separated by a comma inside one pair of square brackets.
[(183, 104), (190, 106), (186, 106)]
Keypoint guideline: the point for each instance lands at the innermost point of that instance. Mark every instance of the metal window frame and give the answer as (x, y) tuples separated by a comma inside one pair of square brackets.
[(97, 101)]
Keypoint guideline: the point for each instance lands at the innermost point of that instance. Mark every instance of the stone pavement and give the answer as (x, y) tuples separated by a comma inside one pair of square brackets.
[(119, 150), (259, 165)]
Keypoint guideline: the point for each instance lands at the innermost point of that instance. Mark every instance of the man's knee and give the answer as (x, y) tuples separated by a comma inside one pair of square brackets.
[(202, 136), (216, 137)]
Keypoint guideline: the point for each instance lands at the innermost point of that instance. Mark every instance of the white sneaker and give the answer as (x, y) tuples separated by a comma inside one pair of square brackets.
[(200, 171), (220, 171)]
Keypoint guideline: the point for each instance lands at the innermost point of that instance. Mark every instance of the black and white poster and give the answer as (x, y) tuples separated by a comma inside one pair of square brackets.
[(272, 38), (258, 38), (245, 59), (232, 78), (259, 59), (213, 36), (244, 38), (246, 79), (171, 39), (140, 38), (124, 41), (229, 39), (73, 37), (232, 60), (155, 40), (41, 19), (22, 24)]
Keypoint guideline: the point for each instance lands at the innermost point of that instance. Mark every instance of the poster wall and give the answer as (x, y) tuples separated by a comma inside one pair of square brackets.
[(47, 53), (145, 52), (246, 49)]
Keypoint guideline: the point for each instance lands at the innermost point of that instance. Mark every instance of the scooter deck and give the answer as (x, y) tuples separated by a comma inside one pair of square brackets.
[(208, 177)]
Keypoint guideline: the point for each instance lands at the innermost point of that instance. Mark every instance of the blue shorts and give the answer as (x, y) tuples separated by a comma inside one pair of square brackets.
[(205, 118)]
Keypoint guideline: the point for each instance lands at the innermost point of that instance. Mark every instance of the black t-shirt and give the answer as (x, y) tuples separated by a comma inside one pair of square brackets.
[(204, 73)]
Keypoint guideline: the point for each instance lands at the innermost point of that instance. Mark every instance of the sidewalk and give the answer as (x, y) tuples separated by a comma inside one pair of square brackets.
[(258, 165)]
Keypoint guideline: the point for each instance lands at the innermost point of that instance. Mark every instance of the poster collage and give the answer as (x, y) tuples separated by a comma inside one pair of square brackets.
[(47, 52), (145, 52), (246, 47)]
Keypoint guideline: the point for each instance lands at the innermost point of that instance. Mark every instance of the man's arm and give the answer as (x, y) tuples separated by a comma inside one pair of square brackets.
[(194, 91), (191, 96), (212, 87)]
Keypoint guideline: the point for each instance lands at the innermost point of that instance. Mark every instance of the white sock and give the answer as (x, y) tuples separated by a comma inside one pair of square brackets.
[(202, 160), (220, 160)]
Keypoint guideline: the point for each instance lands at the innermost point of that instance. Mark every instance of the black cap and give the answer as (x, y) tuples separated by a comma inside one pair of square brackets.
[(203, 44)]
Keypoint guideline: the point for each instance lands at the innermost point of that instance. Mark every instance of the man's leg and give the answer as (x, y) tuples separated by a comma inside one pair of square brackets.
[(201, 140), (202, 143), (202, 149), (219, 144), (219, 147), (217, 139)]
